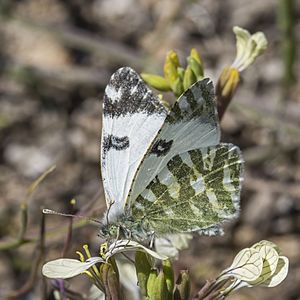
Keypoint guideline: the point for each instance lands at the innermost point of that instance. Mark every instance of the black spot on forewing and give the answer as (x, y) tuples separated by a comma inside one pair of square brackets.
[(114, 142), (161, 147), (126, 93), (196, 102)]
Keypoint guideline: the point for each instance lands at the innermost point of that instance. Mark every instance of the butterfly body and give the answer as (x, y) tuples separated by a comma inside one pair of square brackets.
[(126, 227), (165, 172)]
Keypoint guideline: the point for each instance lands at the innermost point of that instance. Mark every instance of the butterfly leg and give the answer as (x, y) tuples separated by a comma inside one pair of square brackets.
[(152, 239), (117, 237)]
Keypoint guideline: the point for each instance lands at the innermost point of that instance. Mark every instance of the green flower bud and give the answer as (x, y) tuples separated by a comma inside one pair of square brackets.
[(177, 87), (181, 72), (196, 68), (196, 55), (160, 288), (189, 78), (151, 283), (226, 87), (196, 64), (171, 69), (157, 82)]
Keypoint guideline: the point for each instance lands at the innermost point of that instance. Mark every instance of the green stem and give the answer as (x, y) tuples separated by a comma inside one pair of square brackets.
[(286, 22)]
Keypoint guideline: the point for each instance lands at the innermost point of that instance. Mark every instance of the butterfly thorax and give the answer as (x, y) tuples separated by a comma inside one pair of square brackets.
[(125, 227)]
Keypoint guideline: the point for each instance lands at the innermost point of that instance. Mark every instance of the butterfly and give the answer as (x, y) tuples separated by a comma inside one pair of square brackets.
[(165, 171)]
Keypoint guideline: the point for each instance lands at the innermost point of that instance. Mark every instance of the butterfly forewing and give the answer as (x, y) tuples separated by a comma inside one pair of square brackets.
[(132, 116), (196, 190), (192, 123)]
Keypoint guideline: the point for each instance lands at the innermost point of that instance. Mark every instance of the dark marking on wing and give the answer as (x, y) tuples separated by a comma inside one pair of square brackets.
[(114, 142), (161, 147), (133, 96)]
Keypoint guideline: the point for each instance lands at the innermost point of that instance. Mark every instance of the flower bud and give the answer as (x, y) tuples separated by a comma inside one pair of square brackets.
[(171, 73), (160, 288), (196, 64), (189, 78), (151, 283), (157, 82), (226, 87)]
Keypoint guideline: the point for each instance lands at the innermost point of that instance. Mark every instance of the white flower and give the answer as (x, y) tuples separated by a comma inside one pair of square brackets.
[(66, 268), (260, 264), (248, 47)]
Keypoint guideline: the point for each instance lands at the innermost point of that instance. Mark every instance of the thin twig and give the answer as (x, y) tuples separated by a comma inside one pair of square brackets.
[(38, 259)]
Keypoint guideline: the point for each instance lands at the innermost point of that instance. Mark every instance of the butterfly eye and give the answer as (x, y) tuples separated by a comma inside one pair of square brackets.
[(104, 232)]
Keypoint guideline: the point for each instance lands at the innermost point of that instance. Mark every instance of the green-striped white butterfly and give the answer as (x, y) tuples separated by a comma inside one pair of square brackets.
[(165, 171)]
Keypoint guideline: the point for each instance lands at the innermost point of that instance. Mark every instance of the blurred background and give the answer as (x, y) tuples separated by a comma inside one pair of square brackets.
[(56, 58)]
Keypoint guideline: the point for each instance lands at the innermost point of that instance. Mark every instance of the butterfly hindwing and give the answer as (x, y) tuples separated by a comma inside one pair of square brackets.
[(132, 116), (195, 191), (192, 123)]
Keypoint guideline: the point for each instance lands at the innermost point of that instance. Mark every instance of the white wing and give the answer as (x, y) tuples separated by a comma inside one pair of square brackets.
[(192, 123), (132, 116)]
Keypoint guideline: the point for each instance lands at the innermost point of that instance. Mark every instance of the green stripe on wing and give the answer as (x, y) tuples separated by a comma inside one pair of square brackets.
[(196, 190)]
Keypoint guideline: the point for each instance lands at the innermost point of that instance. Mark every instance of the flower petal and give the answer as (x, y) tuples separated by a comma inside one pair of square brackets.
[(248, 47), (267, 243), (67, 268), (270, 260), (270, 257), (246, 266), (127, 245), (280, 273)]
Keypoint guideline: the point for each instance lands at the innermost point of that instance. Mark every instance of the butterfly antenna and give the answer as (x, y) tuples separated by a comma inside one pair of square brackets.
[(47, 211)]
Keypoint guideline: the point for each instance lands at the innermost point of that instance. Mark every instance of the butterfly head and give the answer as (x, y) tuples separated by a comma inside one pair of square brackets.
[(109, 231)]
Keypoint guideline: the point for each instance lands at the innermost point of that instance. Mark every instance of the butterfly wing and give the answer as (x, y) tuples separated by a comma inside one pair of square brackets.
[(196, 191), (132, 116), (192, 123)]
